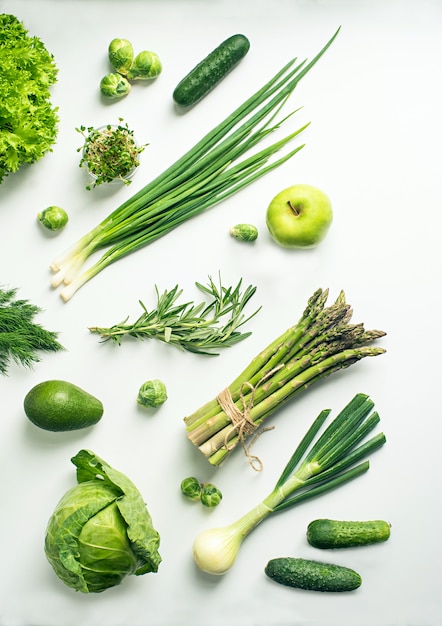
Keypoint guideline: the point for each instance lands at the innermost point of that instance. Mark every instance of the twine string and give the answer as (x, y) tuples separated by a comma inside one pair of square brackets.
[(242, 424)]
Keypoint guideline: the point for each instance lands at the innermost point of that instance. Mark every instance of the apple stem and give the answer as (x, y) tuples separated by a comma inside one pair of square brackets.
[(293, 208)]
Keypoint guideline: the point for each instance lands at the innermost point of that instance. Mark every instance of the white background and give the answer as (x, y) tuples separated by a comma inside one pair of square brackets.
[(374, 146)]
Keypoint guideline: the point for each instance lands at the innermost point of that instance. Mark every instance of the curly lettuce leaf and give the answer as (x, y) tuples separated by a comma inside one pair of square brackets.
[(28, 120)]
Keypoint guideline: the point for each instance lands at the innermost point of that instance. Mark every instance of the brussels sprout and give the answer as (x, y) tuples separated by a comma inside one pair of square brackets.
[(210, 495), (146, 66), (53, 218), (121, 54), (101, 530), (244, 232), (191, 488), (114, 86), (152, 393)]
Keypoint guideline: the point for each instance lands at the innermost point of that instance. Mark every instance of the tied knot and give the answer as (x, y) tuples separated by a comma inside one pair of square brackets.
[(242, 424)]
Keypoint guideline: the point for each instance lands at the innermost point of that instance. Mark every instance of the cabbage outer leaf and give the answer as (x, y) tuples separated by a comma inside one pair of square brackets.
[(144, 538)]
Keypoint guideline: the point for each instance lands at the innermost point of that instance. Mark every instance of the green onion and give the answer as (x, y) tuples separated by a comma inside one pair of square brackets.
[(320, 463), (211, 171), (322, 342)]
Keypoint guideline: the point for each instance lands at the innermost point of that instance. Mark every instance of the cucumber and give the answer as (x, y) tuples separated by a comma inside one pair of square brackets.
[(312, 575), (327, 533), (210, 71)]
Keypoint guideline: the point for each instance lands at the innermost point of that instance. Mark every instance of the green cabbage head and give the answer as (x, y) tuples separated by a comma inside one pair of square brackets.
[(101, 530)]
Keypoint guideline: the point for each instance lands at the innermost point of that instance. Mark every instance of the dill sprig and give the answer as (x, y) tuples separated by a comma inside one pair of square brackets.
[(200, 328), (21, 338)]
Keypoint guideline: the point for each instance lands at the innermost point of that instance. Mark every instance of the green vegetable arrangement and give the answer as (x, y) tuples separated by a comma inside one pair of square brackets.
[(28, 121), (320, 463), (188, 326), (322, 342), (204, 176), (101, 531), (21, 338)]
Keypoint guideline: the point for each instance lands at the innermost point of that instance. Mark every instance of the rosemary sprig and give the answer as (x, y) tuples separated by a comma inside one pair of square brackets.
[(21, 338), (199, 328)]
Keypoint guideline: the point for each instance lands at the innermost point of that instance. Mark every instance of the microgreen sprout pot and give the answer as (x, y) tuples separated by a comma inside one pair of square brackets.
[(110, 153)]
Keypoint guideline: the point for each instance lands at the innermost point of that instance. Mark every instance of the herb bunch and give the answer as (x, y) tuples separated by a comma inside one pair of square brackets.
[(28, 121), (199, 328), (21, 338)]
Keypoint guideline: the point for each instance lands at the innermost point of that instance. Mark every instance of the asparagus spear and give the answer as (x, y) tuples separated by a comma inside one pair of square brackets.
[(322, 342)]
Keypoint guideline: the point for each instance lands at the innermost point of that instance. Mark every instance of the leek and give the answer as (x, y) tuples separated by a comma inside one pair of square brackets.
[(211, 171), (320, 463)]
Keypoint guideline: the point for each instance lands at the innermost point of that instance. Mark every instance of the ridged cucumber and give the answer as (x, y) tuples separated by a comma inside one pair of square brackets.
[(327, 533), (312, 575), (211, 70)]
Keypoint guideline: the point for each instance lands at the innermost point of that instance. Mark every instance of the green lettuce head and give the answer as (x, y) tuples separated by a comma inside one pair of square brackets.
[(101, 530)]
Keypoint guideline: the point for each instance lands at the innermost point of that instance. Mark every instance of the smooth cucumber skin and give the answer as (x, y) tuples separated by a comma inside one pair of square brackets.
[(331, 534), (312, 575), (210, 71)]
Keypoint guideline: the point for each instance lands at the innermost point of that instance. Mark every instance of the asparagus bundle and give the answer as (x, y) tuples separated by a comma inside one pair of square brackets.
[(322, 342)]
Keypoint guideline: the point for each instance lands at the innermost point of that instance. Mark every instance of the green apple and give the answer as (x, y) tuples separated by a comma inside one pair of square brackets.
[(299, 216)]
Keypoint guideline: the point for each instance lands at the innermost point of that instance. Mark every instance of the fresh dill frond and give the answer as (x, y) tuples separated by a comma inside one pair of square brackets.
[(21, 338)]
